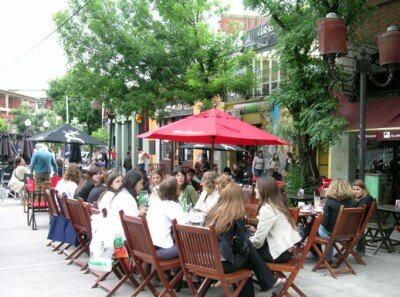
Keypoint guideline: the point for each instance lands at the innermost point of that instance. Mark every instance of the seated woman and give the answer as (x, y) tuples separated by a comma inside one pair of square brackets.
[(160, 215), (123, 199), (99, 188), (156, 178), (88, 183), (227, 217), (192, 179), (16, 182), (186, 193), (276, 232), (70, 181), (210, 195), (339, 193), (362, 197)]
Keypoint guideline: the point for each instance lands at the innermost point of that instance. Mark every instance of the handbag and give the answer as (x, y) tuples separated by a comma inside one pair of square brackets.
[(240, 246)]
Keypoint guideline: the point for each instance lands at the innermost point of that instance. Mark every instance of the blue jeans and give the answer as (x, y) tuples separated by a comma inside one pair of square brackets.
[(166, 254), (259, 172), (324, 235)]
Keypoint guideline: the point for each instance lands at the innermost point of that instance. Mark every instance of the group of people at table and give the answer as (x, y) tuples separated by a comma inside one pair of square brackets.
[(221, 203)]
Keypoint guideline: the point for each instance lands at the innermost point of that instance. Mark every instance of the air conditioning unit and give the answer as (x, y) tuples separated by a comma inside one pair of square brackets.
[(235, 112)]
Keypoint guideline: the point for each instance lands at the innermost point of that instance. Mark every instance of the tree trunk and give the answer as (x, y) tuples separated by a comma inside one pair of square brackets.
[(308, 159)]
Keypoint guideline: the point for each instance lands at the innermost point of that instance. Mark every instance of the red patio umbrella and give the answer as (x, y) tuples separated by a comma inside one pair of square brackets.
[(214, 126)]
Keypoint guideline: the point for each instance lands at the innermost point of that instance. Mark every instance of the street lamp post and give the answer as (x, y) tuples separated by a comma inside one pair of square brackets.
[(332, 44)]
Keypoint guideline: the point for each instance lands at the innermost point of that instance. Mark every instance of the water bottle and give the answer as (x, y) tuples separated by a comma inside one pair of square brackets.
[(184, 203)]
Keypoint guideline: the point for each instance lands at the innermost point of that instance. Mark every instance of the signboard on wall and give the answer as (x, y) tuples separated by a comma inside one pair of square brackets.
[(383, 135)]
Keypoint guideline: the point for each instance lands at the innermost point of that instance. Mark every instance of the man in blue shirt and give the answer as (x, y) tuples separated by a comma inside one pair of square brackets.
[(42, 163)]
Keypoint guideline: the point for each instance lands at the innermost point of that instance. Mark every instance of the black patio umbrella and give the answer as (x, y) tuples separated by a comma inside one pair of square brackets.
[(65, 134), (75, 154), (26, 147), (7, 150), (217, 147)]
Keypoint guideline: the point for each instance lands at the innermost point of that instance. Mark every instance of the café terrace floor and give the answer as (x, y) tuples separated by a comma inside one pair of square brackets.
[(29, 268)]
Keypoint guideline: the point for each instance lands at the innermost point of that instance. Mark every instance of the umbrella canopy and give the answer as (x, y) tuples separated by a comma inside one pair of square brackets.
[(217, 147), (7, 150), (65, 134), (75, 154), (214, 126), (27, 147)]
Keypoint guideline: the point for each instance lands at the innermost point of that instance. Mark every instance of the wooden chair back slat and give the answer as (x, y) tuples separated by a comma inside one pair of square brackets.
[(50, 197), (142, 249), (77, 216), (251, 210), (199, 255), (345, 232), (347, 223)]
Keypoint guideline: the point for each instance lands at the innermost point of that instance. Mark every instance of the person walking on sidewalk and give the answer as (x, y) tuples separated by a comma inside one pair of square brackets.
[(128, 162), (142, 158)]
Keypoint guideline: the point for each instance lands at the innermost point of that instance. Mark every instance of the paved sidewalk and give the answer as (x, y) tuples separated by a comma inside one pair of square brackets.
[(29, 268)]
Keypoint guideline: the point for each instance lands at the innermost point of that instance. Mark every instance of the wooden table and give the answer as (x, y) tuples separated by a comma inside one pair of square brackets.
[(295, 198), (384, 229)]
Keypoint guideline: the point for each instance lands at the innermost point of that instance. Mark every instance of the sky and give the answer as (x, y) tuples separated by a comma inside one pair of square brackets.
[(23, 24)]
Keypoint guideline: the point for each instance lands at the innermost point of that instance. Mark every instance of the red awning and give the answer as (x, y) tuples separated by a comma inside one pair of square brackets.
[(383, 113)]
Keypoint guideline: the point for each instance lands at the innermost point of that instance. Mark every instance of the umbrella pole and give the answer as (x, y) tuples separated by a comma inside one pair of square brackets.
[(212, 153), (65, 146)]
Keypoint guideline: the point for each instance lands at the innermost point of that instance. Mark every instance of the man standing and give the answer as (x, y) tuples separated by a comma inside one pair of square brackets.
[(128, 162), (41, 165), (142, 156)]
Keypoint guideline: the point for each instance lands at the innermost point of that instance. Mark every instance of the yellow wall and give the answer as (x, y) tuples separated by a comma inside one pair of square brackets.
[(323, 158)]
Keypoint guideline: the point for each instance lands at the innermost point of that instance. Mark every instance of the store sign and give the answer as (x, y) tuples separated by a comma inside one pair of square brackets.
[(383, 135)]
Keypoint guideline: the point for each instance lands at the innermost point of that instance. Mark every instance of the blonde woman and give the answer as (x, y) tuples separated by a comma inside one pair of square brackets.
[(210, 195), (16, 182), (227, 217), (223, 181), (339, 193), (70, 181), (276, 232), (155, 180)]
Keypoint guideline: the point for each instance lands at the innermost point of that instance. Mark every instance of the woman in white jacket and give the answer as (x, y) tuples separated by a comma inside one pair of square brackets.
[(276, 231)]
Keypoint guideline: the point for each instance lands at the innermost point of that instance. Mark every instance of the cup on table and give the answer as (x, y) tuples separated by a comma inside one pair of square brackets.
[(397, 203), (317, 201)]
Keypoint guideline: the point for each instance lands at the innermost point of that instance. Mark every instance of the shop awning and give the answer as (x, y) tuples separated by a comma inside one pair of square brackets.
[(382, 114)]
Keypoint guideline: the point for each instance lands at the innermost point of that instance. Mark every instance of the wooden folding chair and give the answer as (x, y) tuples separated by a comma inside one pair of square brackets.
[(295, 213), (363, 226), (36, 203), (142, 250), (55, 212), (199, 255), (82, 228), (296, 263), (379, 233), (345, 232), (122, 268)]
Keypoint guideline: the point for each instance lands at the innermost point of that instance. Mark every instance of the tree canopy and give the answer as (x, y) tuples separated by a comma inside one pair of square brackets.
[(137, 56), (307, 91)]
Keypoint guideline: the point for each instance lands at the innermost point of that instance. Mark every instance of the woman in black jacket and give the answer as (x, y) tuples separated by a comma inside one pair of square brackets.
[(362, 197), (237, 252), (339, 193)]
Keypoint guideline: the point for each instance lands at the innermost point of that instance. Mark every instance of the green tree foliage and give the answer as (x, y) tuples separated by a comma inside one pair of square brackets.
[(137, 56), (101, 134), (4, 126), (22, 113), (77, 86), (307, 91)]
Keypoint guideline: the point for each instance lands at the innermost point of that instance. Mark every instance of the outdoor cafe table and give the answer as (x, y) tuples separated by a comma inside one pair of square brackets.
[(383, 214), (295, 198)]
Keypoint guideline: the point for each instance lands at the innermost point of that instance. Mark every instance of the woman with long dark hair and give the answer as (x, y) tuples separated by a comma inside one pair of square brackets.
[(276, 232), (186, 193), (123, 198), (90, 180)]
